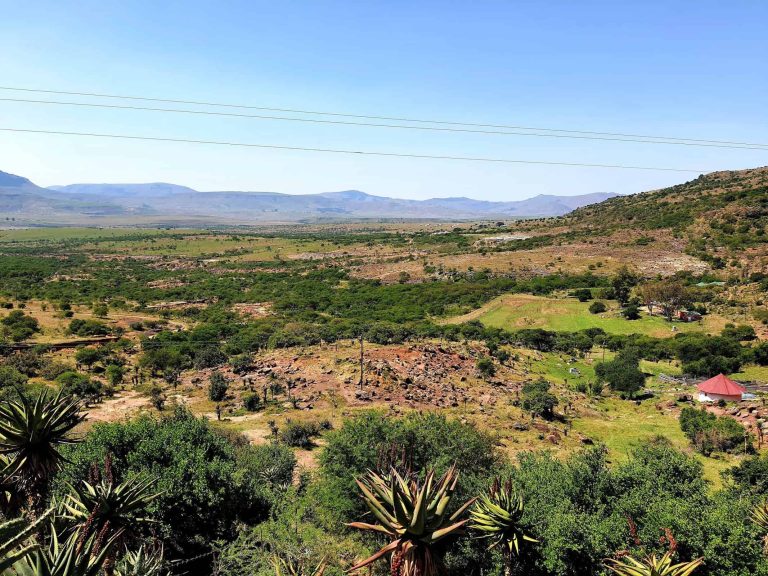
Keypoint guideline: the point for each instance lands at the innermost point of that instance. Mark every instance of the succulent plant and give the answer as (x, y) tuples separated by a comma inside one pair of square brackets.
[(414, 516), (652, 566), (497, 516)]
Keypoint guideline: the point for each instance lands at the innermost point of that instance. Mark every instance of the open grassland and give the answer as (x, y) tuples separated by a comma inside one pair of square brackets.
[(518, 311), (624, 426)]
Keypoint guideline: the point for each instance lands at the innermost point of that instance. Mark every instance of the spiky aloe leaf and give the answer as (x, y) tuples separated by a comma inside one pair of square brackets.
[(652, 566), (415, 517), (15, 538), (497, 515)]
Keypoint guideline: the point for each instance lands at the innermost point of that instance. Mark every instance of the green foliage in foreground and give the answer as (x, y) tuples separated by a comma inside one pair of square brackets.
[(414, 517), (710, 433), (206, 483)]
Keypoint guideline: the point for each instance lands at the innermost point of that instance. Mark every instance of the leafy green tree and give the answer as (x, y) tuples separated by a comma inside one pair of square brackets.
[(583, 294), (81, 327), (623, 283), (80, 385), (538, 400), (11, 378), (101, 310), (623, 373), (217, 387), (710, 433), (631, 312), (115, 374)]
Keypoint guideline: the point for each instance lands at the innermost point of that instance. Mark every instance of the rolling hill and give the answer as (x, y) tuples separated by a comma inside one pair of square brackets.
[(723, 215), (23, 200)]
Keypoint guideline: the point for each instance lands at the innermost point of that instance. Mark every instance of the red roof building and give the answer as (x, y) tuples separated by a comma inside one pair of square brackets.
[(720, 388)]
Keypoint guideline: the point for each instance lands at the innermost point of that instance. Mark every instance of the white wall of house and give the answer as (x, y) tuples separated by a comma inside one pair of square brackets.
[(704, 397)]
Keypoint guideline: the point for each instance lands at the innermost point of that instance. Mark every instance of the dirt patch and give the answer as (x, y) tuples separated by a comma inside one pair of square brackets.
[(121, 406), (255, 310)]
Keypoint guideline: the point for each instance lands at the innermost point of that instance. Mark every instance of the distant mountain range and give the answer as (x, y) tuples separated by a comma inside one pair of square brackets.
[(160, 202)]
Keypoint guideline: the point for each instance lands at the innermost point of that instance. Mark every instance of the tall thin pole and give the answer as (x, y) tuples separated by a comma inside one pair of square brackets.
[(362, 367)]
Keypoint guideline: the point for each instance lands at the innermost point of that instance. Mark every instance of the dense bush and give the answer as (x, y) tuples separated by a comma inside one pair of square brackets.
[(217, 387), (80, 327), (299, 434), (597, 307), (79, 385), (206, 482), (710, 433), (17, 326)]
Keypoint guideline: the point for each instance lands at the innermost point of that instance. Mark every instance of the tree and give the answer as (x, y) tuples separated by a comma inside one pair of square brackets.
[(203, 490), (18, 326), (760, 354), (115, 374), (623, 373), (538, 400), (583, 294), (631, 312), (80, 385), (414, 516), (710, 433), (623, 283), (218, 386), (11, 378), (32, 433), (670, 295), (100, 310)]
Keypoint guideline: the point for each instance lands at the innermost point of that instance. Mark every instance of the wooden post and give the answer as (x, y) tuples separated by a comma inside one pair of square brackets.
[(362, 366)]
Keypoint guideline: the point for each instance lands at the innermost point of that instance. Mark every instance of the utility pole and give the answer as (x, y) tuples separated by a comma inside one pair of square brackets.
[(362, 367)]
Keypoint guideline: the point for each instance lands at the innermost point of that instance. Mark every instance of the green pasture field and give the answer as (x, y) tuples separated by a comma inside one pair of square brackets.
[(514, 312)]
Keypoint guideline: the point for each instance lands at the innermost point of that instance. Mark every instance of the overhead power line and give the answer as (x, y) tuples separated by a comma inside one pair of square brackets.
[(369, 124), (341, 151), (377, 117)]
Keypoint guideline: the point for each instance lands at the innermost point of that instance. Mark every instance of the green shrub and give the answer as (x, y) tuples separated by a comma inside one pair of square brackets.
[(597, 307), (299, 434), (217, 387), (710, 433)]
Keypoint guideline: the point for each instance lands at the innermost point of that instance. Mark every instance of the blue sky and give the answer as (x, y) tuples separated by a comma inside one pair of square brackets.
[(696, 69)]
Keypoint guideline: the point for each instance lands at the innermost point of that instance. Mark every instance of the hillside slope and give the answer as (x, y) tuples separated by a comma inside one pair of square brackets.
[(722, 215)]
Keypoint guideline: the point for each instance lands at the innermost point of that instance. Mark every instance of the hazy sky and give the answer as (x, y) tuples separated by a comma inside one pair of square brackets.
[(696, 69)]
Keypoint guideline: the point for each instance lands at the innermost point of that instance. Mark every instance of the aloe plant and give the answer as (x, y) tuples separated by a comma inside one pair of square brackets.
[(414, 516), (78, 555), (31, 434), (142, 562), (760, 518), (16, 539), (286, 567), (497, 516), (653, 566), (121, 506)]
